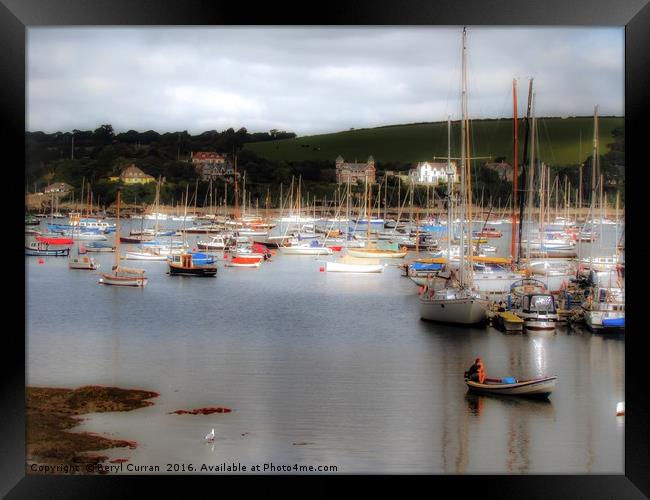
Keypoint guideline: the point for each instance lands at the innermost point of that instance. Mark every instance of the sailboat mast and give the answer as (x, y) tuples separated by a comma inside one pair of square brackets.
[(368, 196), (385, 197), (449, 190), (514, 168), (117, 233), (594, 166), (463, 165), (524, 165), (531, 176)]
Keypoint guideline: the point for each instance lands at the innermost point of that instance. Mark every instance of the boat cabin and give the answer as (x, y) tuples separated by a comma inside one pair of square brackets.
[(538, 303)]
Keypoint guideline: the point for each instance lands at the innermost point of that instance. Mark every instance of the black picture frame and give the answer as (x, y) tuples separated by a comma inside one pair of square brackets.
[(16, 15)]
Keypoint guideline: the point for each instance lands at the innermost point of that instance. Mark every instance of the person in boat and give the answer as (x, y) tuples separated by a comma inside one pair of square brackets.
[(476, 372), (502, 306)]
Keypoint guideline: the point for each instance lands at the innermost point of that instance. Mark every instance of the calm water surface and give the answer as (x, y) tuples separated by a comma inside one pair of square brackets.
[(320, 369)]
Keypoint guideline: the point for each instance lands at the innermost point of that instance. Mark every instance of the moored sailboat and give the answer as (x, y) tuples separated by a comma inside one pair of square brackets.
[(120, 275), (457, 302)]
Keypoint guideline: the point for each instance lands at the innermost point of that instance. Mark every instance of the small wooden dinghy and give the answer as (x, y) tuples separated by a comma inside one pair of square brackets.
[(244, 262), (538, 387)]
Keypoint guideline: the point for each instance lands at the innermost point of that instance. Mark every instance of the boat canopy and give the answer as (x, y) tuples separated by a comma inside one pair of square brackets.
[(420, 266)]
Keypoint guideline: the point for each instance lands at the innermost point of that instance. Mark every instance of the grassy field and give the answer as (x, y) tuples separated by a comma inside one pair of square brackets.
[(561, 141)]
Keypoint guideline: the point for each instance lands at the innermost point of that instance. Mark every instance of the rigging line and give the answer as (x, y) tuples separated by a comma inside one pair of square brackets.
[(548, 142)]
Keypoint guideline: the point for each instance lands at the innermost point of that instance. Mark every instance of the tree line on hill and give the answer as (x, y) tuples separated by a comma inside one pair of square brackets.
[(94, 156)]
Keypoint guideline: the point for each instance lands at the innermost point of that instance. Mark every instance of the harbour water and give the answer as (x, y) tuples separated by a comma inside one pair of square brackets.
[(320, 369)]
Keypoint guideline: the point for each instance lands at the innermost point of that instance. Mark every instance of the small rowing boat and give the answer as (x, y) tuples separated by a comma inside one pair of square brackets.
[(244, 262), (509, 386)]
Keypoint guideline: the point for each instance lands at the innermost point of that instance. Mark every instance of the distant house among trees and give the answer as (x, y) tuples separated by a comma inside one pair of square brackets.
[(133, 175), (58, 187), (432, 173), (355, 172), (210, 165)]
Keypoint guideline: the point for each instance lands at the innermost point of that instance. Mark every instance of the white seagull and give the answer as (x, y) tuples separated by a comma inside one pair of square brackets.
[(210, 436)]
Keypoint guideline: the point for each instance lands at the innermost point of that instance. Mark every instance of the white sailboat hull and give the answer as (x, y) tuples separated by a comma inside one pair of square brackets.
[(306, 250), (461, 311), (144, 256), (340, 267)]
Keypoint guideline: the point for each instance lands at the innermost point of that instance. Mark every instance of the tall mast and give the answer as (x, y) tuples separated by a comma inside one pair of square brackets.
[(81, 198), (514, 168), (531, 176), (117, 233), (244, 195), (594, 167), (449, 191), (385, 196), (525, 162), (463, 165), (616, 228), (196, 194), (368, 196), (236, 213)]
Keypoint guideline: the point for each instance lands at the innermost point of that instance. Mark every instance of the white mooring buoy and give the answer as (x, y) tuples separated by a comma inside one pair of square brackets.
[(620, 409)]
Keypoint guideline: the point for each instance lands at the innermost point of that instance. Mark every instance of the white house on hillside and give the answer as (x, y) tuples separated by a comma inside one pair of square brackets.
[(432, 173)]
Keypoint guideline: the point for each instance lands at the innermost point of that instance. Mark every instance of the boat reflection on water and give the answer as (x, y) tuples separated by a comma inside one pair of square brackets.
[(476, 404), (518, 436)]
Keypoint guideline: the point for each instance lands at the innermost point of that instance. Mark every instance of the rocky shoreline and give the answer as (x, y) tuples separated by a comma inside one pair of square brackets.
[(51, 413)]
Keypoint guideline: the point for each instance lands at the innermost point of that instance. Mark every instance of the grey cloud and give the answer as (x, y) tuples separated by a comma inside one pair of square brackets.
[(309, 80)]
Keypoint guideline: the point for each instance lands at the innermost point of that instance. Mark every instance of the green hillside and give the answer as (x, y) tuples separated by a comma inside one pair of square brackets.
[(561, 141)]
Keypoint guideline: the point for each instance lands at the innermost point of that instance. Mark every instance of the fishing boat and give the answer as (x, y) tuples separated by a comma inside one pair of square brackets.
[(189, 264), (244, 262), (541, 387), (349, 264), (39, 249), (120, 275), (82, 262)]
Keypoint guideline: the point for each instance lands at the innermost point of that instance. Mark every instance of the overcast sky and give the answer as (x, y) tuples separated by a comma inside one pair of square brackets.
[(311, 80)]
